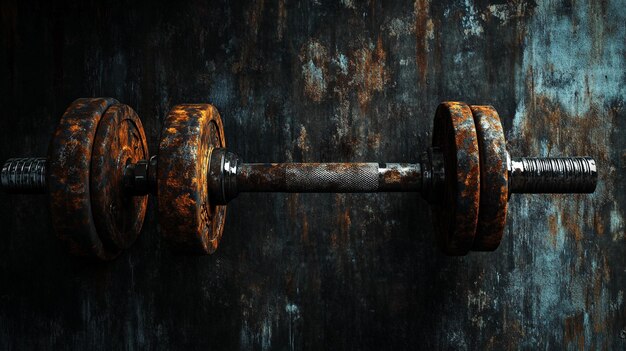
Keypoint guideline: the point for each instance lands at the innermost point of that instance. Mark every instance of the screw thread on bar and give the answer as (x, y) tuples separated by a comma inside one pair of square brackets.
[(552, 175), (24, 175)]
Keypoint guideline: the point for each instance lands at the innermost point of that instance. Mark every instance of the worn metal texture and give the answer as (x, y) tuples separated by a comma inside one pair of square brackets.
[(119, 140), (455, 209), (224, 167), (494, 189), (352, 177), (326, 81), (68, 175), (188, 219)]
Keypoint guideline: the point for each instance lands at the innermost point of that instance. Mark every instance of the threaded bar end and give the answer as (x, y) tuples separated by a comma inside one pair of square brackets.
[(556, 175), (24, 175)]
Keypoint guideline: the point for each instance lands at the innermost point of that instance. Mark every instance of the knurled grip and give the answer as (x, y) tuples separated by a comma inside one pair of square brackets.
[(557, 175), (335, 177), (312, 177)]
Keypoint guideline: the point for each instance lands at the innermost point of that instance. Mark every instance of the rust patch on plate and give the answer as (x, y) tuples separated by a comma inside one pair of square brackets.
[(188, 219), (68, 177), (493, 178), (456, 214), (120, 140)]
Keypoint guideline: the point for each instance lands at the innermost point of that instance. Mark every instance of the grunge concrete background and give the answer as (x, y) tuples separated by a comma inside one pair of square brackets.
[(326, 81)]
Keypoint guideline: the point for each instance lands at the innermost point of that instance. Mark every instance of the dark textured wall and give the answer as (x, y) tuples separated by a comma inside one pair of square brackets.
[(326, 81)]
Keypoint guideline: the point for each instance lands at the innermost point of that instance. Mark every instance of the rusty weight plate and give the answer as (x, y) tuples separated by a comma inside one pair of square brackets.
[(493, 178), (68, 178), (456, 212), (120, 140), (188, 219)]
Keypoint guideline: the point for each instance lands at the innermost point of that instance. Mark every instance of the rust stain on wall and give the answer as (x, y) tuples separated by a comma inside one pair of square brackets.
[(363, 70), (423, 35), (314, 58), (343, 220), (553, 224), (303, 143), (340, 236), (249, 59), (298, 218), (598, 223), (573, 332), (282, 18), (373, 141), (369, 73)]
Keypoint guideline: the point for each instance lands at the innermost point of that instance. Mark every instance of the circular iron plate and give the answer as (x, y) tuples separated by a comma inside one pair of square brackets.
[(188, 219), (493, 178), (69, 159), (120, 140), (456, 213)]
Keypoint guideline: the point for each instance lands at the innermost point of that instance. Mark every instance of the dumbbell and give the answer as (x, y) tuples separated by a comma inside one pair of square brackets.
[(98, 174)]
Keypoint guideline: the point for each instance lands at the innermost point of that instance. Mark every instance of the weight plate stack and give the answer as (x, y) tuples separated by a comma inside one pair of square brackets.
[(456, 212), (494, 191), (88, 212)]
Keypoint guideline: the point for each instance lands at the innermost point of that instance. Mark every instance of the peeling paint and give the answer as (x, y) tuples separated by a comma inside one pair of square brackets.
[(303, 143), (471, 20), (348, 4), (370, 74), (314, 70), (398, 27)]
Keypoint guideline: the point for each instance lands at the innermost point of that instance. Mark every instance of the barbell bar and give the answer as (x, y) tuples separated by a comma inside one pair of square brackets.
[(98, 173)]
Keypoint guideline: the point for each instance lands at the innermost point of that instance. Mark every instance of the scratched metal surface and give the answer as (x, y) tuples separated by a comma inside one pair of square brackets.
[(326, 81)]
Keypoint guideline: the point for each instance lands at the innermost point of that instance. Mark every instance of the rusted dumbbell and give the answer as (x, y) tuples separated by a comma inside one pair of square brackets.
[(97, 174), (83, 175)]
